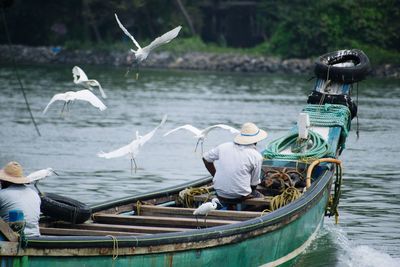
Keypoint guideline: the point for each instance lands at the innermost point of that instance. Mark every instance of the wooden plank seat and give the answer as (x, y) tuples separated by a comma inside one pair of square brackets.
[(121, 228), (7, 232), (81, 232), (265, 201), (150, 210), (158, 221)]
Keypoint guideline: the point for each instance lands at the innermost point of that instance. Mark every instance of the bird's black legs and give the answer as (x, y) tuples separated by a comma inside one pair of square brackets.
[(137, 69), (133, 163), (197, 222), (66, 107), (197, 144), (127, 71), (37, 188), (199, 141), (62, 110)]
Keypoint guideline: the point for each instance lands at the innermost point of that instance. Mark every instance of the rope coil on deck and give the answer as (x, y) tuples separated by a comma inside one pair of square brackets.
[(327, 115), (289, 195), (319, 148), (186, 196)]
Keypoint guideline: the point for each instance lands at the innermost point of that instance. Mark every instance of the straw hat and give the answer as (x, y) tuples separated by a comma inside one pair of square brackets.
[(250, 134), (13, 173)]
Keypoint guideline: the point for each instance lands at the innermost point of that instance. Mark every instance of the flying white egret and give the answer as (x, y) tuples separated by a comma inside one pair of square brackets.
[(201, 135), (40, 174), (205, 208), (80, 78), (141, 53), (69, 96), (132, 149)]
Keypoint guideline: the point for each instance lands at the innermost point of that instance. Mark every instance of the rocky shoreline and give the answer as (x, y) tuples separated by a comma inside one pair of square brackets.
[(190, 60)]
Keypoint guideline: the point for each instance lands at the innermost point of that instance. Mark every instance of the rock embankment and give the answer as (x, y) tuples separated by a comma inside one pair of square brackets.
[(190, 60)]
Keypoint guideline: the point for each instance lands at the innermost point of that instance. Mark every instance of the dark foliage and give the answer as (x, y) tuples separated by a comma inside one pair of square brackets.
[(289, 28)]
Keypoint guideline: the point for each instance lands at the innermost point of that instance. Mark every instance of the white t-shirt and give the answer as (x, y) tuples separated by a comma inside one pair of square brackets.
[(23, 198), (238, 167)]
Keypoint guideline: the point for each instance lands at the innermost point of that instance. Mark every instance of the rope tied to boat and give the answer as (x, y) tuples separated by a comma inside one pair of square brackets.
[(115, 247), (265, 211), (138, 207), (19, 228), (333, 202), (289, 195), (186, 196)]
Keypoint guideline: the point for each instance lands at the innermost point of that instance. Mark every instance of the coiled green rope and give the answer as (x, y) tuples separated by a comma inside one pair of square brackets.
[(319, 148), (329, 115)]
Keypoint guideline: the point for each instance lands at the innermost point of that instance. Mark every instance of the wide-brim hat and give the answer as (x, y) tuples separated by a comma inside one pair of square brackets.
[(13, 173), (250, 134)]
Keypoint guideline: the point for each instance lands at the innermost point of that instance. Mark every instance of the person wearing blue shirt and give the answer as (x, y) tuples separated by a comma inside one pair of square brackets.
[(16, 195)]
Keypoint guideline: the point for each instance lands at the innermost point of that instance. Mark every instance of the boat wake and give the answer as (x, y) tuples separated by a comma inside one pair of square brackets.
[(353, 255)]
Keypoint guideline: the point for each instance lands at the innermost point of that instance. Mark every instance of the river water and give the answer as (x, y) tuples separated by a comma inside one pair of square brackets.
[(368, 233)]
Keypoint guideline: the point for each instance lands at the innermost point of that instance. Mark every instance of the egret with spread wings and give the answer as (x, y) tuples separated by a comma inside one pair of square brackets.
[(80, 78), (141, 53), (34, 177), (201, 135), (132, 149), (84, 95)]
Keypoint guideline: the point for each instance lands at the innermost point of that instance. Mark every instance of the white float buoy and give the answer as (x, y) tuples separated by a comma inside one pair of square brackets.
[(303, 124)]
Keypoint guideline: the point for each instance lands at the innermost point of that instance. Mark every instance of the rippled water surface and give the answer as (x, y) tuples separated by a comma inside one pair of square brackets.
[(369, 229)]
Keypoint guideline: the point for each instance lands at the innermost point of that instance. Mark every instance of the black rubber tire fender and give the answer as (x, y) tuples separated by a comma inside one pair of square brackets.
[(64, 208), (324, 68)]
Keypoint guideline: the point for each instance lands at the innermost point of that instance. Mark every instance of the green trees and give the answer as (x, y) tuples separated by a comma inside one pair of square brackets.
[(302, 28), (288, 28)]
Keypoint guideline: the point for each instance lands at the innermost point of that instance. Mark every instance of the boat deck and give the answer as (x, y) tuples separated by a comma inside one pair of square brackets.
[(149, 219), (166, 214)]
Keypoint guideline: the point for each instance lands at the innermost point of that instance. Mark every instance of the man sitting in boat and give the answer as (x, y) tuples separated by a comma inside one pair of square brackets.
[(238, 170), (15, 195)]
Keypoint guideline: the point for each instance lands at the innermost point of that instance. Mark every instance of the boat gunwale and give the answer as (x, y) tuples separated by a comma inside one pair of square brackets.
[(166, 192), (286, 215)]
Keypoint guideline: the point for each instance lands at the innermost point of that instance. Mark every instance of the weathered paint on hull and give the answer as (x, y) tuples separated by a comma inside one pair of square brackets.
[(278, 247)]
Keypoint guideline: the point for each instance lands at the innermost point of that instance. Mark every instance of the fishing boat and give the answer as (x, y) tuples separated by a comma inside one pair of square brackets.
[(301, 179)]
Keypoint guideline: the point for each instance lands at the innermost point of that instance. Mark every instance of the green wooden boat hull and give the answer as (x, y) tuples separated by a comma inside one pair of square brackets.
[(275, 239), (278, 247)]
